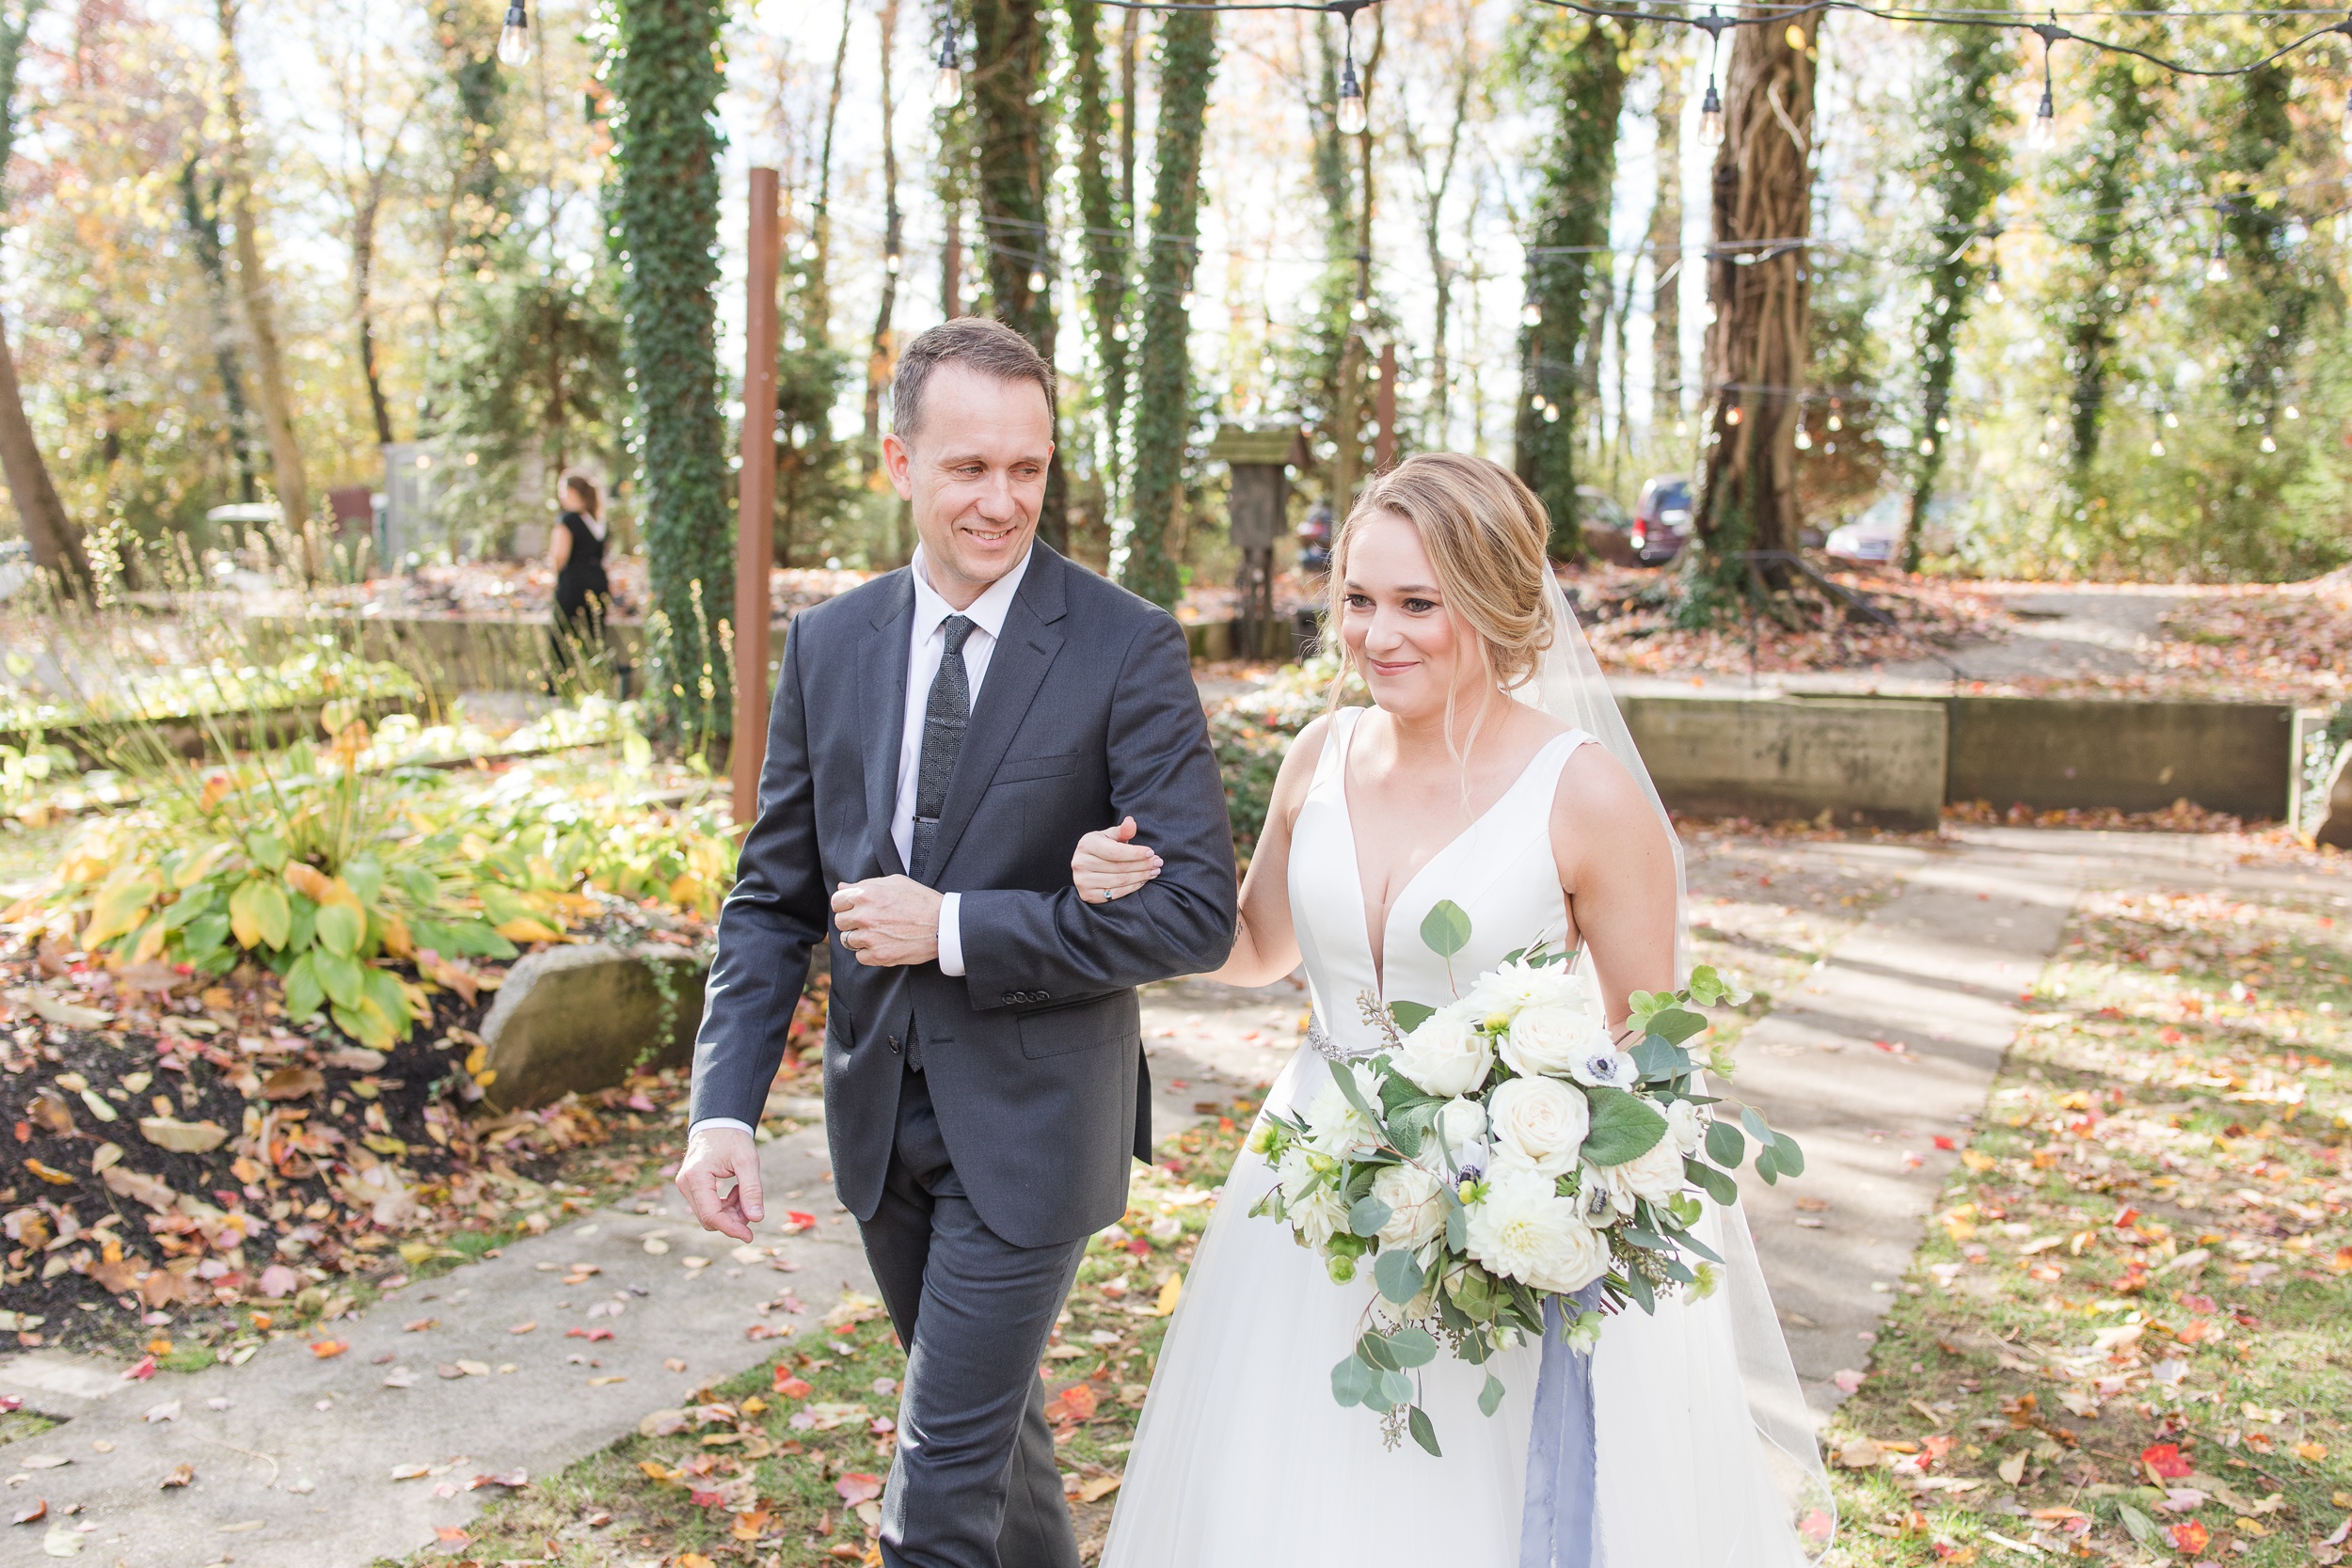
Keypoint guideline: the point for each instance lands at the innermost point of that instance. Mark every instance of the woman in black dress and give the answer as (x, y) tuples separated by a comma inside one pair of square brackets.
[(583, 593)]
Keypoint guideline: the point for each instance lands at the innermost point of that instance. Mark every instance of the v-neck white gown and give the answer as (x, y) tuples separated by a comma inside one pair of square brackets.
[(1243, 1458)]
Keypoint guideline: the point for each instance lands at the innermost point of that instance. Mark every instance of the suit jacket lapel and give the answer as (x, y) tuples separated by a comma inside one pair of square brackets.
[(1015, 671), (883, 661)]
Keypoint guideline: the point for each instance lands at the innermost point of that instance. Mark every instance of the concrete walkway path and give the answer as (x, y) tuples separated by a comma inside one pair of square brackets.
[(1892, 1041)]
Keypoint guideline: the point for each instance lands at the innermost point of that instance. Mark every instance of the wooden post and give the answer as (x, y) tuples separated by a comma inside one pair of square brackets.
[(1384, 407), (756, 503)]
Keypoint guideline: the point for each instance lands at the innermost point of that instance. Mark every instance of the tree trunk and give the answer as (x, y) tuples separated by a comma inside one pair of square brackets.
[(1008, 72), (666, 76), (204, 218), (363, 302), (1140, 558), (285, 448), (1665, 254), (816, 290), (879, 363), (2113, 252), (56, 546), (1756, 351), (1965, 170), (1580, 67), (1108, 221)]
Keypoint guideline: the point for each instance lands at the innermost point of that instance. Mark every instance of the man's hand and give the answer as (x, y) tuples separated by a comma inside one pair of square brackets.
[(714, 1156), (888, 920)]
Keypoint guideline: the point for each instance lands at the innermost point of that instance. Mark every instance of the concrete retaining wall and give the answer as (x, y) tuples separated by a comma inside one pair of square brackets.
[(2050, 754), (1865, 760)]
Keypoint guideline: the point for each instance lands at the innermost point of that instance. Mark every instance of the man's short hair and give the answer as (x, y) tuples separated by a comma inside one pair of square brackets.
[(987, 346)]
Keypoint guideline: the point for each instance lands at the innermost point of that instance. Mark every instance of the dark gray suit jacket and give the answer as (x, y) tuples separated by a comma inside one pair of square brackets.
[(1034, 1057)]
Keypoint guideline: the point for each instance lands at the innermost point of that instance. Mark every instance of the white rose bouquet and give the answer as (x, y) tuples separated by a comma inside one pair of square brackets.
[(1504, 1150)]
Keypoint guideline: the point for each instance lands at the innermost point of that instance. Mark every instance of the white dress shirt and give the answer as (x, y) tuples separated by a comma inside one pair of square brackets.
[(927, 648)]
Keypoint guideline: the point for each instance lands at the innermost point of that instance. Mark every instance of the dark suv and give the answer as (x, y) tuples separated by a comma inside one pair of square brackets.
[(1661, 519)]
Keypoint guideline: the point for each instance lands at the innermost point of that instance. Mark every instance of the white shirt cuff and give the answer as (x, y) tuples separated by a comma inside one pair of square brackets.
[(951, 934), (722, 1121)]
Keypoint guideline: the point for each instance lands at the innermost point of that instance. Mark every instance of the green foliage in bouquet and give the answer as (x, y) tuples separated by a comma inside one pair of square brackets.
[(1469, 1231)]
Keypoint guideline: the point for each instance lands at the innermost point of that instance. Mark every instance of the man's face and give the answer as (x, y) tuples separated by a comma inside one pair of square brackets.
[(975, 472)]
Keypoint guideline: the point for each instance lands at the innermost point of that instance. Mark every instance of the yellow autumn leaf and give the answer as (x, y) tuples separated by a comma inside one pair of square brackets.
[(197, 867), (393, 931), (1170, 1290), (523, 929), (150, 942)]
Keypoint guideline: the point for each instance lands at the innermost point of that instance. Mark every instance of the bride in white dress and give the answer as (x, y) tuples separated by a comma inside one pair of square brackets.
[(1493, 772)]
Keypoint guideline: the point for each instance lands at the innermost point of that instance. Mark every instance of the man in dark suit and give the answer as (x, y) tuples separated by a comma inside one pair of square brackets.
[(941, 738)]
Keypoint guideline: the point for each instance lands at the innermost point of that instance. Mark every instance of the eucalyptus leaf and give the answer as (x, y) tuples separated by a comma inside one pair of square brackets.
[(1659, 1059), (1787, 1155), (1767, 1167), (1726, 1144), (1375, 1351), (1644, 1240), (1457, 1226), (1395, 1389), (1754, 1121), (1423, 1433), (1410, 1016), (1412, 1347), (1351, 1381), (1637, 1289), (1446, 929), (1491, 1397), (1368, 1215), (1720, 1187), (1344, 1076), (1675, 1025), (1399, 1277)]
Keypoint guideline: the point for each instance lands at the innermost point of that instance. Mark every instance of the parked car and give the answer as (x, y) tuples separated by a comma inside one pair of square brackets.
[(1661, 519), (1873, 536), (1606, 525)]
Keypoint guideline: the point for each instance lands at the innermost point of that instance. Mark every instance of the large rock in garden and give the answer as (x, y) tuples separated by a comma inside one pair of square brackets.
[(584, 1018), (2335, 821)]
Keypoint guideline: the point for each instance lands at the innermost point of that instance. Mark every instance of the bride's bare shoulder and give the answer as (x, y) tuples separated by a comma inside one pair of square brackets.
[(1599, 798)]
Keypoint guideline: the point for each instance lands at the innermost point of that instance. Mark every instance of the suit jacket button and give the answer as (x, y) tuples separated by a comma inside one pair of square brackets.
[(1042, 997), (1012, 996)]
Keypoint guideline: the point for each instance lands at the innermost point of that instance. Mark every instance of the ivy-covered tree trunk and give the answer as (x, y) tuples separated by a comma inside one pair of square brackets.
[(1665, 257), (2272, 300), (1760, 279), (884, 357), (1574, 67), (1009, 123), (2113, 259), (201, 210), (665, 74), (1962, 171), (1140, 558), (1324, 372), (813, 483), (1103, 210)]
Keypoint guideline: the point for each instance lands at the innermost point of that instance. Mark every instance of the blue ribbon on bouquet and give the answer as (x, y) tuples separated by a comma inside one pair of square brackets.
[(1561, 1525)]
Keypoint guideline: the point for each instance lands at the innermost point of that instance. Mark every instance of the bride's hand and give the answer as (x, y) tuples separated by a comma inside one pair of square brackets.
[(1105, 866)]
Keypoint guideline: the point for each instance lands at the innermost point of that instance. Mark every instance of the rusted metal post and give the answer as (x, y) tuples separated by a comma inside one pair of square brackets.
[(756, 503)]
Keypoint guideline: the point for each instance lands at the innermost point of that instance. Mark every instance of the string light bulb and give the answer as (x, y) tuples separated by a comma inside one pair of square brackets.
[(1532, 314), (1992, 284), (1352, 116), (1551, 413), (2155, 448), (809, 251), (515, 37), (892, 262), (1711, 117), (1536, 402), (1804, 437), (1361, 310), (1037, 281), (2293, 411), (2218, 264), (1731, 415), (947, 87), (2042, 135)]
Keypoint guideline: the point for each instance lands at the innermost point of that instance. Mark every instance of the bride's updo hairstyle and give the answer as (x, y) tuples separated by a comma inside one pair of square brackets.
[(1484, 532)]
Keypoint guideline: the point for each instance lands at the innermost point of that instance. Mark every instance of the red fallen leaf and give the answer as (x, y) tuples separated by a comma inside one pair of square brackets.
[(141, 1372), (2191, 1537), (857, 1487), (591, 1334), (32, 1513), (329, 1348), (511, 1479), (451, 1535), (1943, 1142), (1079, 1401), (705, 1500), (795, 1222), (2166, 1461), (790, 1385), (11, 1404), (1140, 1246)]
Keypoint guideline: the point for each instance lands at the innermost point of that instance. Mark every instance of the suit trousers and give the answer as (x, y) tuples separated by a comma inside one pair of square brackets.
[(976, 1485)]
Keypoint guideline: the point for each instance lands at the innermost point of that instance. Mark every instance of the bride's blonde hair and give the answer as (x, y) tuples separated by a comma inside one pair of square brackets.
[(1484, 532)]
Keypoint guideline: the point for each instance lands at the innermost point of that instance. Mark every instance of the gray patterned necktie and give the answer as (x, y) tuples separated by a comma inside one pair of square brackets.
[(945, 719)]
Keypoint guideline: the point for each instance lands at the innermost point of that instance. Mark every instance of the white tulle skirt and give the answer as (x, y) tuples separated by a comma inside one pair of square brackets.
[(1243, 1457)]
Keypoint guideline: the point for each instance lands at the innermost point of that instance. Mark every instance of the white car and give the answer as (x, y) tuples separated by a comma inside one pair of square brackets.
[(1873, 537)]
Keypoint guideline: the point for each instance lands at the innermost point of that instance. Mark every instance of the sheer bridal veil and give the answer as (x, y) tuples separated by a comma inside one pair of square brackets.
[(1669, 1376)]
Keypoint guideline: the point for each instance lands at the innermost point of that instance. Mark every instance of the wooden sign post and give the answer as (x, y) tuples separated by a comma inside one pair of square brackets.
[(756, 504)]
